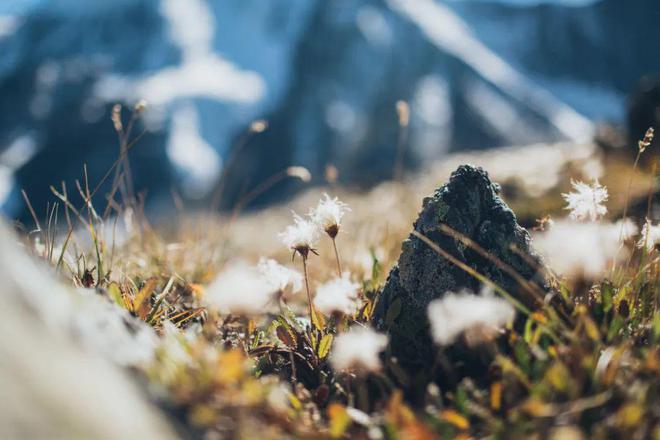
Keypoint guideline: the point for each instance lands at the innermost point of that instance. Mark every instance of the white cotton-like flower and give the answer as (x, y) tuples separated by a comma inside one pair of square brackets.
[(301, 173), (586, 202), (457, 313), (328, 214), (358, 349), (281, 278), (339, 295), (103, 326), (578, 249), (240, 290), (172, 353), (278, 398), (301, 236), (650, 236)]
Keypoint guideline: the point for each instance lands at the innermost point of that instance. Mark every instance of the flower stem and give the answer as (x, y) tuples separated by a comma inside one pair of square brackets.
[(309, 295), (334, 245)]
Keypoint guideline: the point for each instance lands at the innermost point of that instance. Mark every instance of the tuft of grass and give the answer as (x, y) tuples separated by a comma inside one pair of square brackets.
[(587, 369)]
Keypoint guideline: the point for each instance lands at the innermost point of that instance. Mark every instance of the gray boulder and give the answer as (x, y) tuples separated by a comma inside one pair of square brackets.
[(470, 205)]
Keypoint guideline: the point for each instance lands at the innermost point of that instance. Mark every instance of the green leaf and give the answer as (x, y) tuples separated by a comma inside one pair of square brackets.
[(607, 295), (656, 327), (528, 330), (615, 327), (375, 266), (114, 292)]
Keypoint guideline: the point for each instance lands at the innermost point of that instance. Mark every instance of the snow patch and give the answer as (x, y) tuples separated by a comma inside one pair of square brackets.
[(201, 73), (17, 154), (191, 154), (8, 25), (448, 31)]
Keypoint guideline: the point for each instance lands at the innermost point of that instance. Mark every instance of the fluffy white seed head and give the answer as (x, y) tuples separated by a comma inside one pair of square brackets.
[(583, 250), (457, 313), (301, 236), (339, 295), (281, 278), (328, 214), (298, 172), (586, 202), (358, 349), (240, 289), (650, 236)]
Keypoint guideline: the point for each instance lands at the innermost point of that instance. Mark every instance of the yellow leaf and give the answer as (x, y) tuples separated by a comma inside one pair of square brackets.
[(540, 317), (295, 402), (591, 329), (630, 415), (231, 366), (197, 290), (339, 419), (455, 418), (537, 408), (318, 320), (144, 293), (324, 346), (558, 376), (496, 395)]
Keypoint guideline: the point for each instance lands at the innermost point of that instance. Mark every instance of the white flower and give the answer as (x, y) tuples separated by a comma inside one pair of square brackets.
[(339, 295), (456, 313), (173, 355), (278, 398), (328, 215), (241, 290), (577, 249), (586, 201), (650, 236), (281, 278), (358, 348), (301, 173), (301, 236)]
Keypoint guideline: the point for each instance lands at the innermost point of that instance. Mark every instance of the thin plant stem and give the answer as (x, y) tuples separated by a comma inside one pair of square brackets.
[(404, 115), (625, 210), (257, 191), (309, 295), (517, 304), (218, 191), (529, 286), (485, 280), (334, 245)]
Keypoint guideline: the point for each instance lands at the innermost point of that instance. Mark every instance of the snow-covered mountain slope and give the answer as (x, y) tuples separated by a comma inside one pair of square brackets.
[(327, 76)]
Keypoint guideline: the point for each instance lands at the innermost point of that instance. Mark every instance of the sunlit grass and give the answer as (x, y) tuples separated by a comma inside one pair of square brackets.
[(584, 366)]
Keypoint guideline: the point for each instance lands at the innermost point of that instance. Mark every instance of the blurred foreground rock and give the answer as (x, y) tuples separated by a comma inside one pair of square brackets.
[(59, 356), (470, 205)]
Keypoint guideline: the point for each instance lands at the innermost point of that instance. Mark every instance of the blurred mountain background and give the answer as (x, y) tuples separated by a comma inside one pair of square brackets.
[(325, 74)]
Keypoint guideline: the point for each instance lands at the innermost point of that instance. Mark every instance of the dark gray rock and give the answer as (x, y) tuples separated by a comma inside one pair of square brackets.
[(469, 204)]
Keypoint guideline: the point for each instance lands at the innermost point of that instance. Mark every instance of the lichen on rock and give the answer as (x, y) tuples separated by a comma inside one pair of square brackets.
[(470, 205)]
